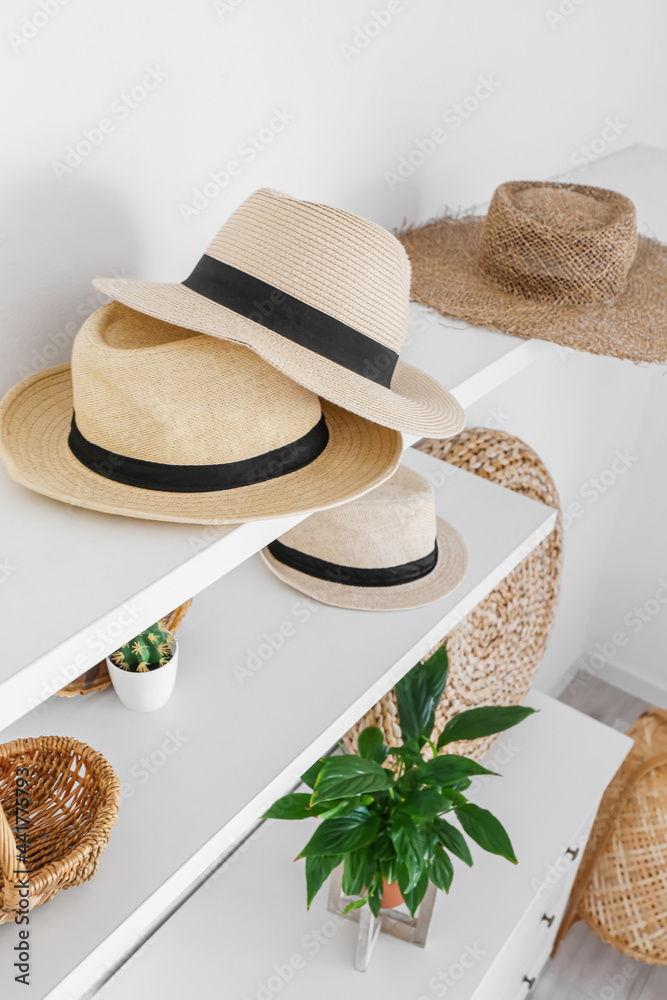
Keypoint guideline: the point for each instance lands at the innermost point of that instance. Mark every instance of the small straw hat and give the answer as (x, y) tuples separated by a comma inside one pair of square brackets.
[(560, 262), (177, 426), (384, 552), (322, 295)]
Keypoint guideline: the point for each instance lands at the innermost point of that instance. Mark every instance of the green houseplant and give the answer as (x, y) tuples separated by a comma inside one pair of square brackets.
[(383, 812), (143, 671)]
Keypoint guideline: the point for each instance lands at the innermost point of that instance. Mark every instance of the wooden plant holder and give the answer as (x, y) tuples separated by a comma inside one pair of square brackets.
[(394, 921)]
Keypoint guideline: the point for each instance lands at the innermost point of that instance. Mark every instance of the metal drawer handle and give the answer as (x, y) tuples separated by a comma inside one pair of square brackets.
[(573, 852), (531, 982), (548, 920)]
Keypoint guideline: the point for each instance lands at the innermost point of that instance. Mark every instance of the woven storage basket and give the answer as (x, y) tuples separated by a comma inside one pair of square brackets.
[(495, 651), (72, 802), (621, 887), (97, 678)]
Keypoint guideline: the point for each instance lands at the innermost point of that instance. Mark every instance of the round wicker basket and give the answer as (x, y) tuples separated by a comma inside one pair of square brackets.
[(621, 887), (97, 678), (495, 651), (63, 796)]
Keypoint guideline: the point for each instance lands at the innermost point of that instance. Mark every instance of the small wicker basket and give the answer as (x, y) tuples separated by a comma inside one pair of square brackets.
[(67, 794)]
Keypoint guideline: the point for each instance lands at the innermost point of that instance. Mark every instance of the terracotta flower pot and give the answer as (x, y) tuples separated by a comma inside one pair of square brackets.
[(391, 896)]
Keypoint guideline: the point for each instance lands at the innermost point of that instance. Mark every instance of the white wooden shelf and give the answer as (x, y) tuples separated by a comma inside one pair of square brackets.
[(199, 772), (250, 917), (69, 575)]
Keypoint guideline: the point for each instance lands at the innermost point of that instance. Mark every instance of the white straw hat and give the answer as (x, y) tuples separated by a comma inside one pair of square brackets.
[(177, 426), (320, 294), (386, 551)]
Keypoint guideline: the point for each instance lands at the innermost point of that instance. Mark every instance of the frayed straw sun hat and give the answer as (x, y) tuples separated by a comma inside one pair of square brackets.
[(386, 551), (158, 422), (320, 294), (559, 262)]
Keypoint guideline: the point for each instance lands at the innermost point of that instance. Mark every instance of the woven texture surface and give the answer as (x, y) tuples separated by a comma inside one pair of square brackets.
[(392, 525), (146, 392), (345, 266), (621, 888), (559, 262), (72, 797), (495, 651), (97, 678)]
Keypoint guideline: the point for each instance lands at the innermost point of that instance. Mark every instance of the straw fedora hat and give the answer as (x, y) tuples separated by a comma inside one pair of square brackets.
[(157, 422), (560, 262), (386, 551), (320, 294)]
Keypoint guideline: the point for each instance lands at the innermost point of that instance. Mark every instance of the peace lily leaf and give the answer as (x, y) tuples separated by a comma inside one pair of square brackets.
[(354, 905), (383, 847), (409, 846), (485, 721), (416, 706), (375, 902), (310, 777), (453, 840), (436, 669), (414, 896), (350, 775), (341, 834), (371, 744), (448, 768), (335, 807), (455, 798), (318, 870), (296, 806), (424, 804), (389, 869), (408, 874), (486, 830), (441, 871), (359, 871)]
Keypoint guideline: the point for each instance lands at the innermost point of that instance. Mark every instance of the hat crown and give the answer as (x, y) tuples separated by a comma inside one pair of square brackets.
[(343, 265), (148, 390), (392, 525), (562, 243)]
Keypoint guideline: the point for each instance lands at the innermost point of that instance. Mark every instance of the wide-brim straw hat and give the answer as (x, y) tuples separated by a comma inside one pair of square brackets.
[(322, 295), (559, 262), (386, 551), (175, 426)]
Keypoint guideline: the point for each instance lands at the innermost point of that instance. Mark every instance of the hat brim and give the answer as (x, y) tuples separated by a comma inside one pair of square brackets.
[(415, 403), (448, 573), (35, 419), (446, 277)]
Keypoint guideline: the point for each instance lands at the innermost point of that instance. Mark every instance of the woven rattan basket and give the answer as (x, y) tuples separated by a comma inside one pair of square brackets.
[(97, 678), (68, 795), (621, 887), (495, 651)]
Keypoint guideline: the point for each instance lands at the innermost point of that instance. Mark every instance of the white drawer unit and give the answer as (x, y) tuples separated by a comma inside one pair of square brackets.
[(246, 933)]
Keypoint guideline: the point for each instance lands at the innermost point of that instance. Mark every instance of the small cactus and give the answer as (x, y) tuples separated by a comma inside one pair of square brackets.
[(148, 651)]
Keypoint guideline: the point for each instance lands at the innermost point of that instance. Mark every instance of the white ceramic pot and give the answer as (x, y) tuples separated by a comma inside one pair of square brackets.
[(145, 692)]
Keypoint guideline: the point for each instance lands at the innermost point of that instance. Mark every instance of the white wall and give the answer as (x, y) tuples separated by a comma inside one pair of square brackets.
[(221, 70)]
